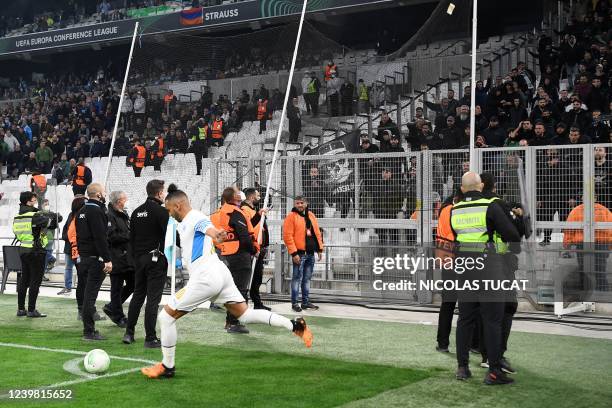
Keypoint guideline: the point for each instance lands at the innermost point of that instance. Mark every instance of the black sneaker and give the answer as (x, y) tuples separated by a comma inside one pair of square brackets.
[(122, 323), (497, 377), (442, 349), (128, 338), (155, 343), (21, 313), (35, 314), (309, 305), (463, 373), (296, 307), (237, 329), (474, 351), (506, 367), (95, 336), (262, 307)]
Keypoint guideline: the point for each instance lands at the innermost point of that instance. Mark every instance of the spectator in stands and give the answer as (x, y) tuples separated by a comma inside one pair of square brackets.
[(394, 164), (462, 119), (295, 120), (602, 177), (347, 91), (140, 106), (597, 97), (31, 164), (104, 9), (386, 123), (570, 55), (494, 135), (333, 94), (599, 131), (542, 137), (442, 109), (552, 193), (127, 110), (390, 190), (44, 157), (15, 162), (11, 141), (315, 191), (331, 69), (576, 137), (451, 135)]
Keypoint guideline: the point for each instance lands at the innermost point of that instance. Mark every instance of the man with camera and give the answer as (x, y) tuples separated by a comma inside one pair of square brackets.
[(148, 225), (30, 228)]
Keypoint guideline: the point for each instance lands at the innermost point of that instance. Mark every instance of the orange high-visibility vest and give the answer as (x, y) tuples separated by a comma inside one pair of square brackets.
[(262, 108), (41, 182), (72, 238), (217, 129), (141, 153), (220, 219), (79, 178), (160, 148)]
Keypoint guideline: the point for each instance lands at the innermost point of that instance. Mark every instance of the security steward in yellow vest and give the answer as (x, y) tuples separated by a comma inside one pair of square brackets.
[(30, 228), (199, 140), (238, 248), (249, 207), (483, 234)]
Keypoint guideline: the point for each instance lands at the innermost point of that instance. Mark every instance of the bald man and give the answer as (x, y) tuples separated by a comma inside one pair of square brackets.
[(94, 253), (483, 233)]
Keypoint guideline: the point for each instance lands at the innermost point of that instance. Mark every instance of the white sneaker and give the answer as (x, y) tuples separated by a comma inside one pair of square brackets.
[(485, 364), (65, 292)]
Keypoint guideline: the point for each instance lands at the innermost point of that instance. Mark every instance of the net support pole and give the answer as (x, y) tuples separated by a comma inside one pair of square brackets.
[(473, 164), (278, 135), (118, 113)]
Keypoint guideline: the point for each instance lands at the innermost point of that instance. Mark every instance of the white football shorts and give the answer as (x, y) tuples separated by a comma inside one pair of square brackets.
[(211, 281)]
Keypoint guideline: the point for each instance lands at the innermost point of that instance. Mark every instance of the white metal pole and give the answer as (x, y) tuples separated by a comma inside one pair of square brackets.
[(278, 135), (118, 113), (473, 87)]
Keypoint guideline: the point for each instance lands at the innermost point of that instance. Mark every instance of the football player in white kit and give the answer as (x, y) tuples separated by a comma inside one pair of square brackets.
[(209, 280)]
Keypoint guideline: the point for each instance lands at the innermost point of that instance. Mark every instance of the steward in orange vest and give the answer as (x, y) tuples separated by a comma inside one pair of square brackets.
[(81, 178), (158, 151), (217, 131), (262, 114), (137, 157), (238, 248), (38, 185)]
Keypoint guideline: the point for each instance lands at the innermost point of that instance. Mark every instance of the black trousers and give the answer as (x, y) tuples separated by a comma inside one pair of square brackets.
[(334, 100), (137, 171), (157, 162), (492, 314), (308, 101), (258, 277), (122, 286), (262, 125), (445, 319), (506, 327), (240, 267), (78, 189), (92, 271), (32, 271), (200, 152), (149, 283), (80, 289)]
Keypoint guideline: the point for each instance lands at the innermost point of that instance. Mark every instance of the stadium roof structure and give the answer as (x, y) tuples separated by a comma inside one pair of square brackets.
[(246, 14)]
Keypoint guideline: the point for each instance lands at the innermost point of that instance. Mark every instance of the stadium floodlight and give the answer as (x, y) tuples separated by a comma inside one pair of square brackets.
[(118, 113), (278, 134)]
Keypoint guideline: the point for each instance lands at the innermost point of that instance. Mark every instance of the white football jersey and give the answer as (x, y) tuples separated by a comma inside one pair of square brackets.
[(196, 247)]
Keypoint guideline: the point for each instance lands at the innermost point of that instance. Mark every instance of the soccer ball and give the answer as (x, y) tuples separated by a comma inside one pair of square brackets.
[(96, 361)]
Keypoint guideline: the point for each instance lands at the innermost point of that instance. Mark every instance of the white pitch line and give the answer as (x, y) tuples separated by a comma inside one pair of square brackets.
[(75, 352), (80, 353)]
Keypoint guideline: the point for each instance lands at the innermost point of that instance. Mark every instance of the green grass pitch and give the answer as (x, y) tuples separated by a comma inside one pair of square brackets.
[(353, 363)]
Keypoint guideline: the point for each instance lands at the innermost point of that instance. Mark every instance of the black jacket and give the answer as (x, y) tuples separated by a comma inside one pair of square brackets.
[(119, 241), (148, 227), (265, 239), (498, 221), (238, 223), (92, 230)]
